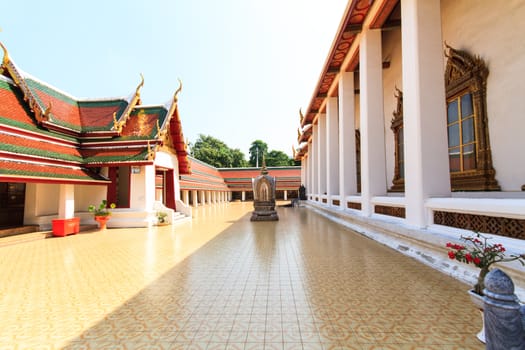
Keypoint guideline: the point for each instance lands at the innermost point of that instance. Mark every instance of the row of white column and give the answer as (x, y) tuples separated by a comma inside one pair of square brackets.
[(199, 197), (329, 169), (285, 195)]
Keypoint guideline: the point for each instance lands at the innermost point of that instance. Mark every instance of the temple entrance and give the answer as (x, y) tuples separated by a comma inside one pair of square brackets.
[(164, 188), (119, 189), (12, 199)]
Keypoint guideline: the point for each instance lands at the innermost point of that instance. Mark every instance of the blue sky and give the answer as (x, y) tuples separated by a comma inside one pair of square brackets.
[(247, 66)]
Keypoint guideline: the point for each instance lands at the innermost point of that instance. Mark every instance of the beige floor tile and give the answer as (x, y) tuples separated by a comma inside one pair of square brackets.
[(224, 282)]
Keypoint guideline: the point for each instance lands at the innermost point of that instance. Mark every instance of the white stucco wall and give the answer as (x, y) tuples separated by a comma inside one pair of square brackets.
[(494, 31), (86, 195), (47, 196)]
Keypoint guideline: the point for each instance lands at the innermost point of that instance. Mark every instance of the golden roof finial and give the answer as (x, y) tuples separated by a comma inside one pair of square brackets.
[(116, 124), (179, 89), (141, 84), (6, 54), (151, 151), (301, 116), (47, 111)]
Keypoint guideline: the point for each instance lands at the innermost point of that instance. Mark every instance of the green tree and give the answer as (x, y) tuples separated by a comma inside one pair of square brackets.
[(258, 149), (278, 158), (212, 151), (216, 153), (238, 159)]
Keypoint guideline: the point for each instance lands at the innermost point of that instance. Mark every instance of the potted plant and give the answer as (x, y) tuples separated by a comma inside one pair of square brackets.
[(482, 254), (478, 251), (101, 213), (161, 218)]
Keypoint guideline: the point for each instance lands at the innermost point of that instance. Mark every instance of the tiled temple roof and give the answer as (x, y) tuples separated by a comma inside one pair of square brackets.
[(39, 123), (287, 178), (203, 176), (13, 171)]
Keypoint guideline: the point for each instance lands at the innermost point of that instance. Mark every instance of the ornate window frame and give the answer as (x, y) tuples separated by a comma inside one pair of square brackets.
[(465, 73)]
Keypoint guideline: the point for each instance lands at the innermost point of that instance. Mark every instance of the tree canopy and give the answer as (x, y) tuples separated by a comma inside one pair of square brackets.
[(216, 153), (259, 149)]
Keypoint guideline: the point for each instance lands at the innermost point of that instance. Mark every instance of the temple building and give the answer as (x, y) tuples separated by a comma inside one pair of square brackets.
[(414, 129), (60, 154)]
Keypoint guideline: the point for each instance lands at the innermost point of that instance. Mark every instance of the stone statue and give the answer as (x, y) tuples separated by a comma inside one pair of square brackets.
[(504, 316), (302, 193), (264, 197)]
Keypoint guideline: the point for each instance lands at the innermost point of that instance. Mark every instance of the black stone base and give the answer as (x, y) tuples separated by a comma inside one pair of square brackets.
[(264, 216)]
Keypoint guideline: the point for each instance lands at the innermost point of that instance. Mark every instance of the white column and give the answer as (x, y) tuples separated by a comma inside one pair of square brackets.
[(373, 169), (305, 164), (424, 108), (208, 197), (285, 195), (202, 197), (347, 155), (321, 154), (194, 198), (243, 196), (332, 148), (66, 201), (315, 161), (186, 197)]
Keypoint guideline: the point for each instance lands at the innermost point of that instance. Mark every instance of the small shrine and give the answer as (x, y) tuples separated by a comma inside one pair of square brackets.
[(264, 197)]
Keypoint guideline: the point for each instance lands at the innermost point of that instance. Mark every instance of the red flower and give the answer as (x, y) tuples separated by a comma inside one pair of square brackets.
[(451, 255), (468, 257), (477, 260)]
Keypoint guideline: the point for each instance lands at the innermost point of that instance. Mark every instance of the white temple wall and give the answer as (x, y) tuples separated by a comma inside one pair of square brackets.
[(472, 28), (86, 195), (141, 195), (46, 199)]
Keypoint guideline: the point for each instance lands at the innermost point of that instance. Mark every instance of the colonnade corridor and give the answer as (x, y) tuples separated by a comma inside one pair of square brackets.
[(224, 282)]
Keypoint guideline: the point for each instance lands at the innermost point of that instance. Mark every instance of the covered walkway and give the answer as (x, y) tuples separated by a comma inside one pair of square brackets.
[(224, 282)]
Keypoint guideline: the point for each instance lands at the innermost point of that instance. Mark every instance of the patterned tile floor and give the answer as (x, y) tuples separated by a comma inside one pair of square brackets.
[(223, 282)]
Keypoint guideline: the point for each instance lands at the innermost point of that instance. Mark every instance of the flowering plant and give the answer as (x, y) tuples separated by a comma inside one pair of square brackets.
[(482, 254), (102, 209)]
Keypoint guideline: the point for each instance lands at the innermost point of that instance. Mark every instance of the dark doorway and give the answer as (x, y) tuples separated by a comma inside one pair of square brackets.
[(12, 199)]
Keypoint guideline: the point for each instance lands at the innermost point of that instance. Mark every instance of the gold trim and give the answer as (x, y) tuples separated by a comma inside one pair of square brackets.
[(141, 84), (6, 54), (179, 89), (47, 112)]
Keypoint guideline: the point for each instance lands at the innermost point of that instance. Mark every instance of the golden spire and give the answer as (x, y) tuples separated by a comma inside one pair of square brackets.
[(301, 116), (264, 171)]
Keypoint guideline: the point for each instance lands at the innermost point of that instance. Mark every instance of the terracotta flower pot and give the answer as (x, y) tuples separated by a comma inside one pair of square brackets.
[(102, 220)]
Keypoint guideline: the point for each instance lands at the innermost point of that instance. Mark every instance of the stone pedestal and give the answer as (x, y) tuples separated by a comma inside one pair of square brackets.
[(264, 197), (264, 211)]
